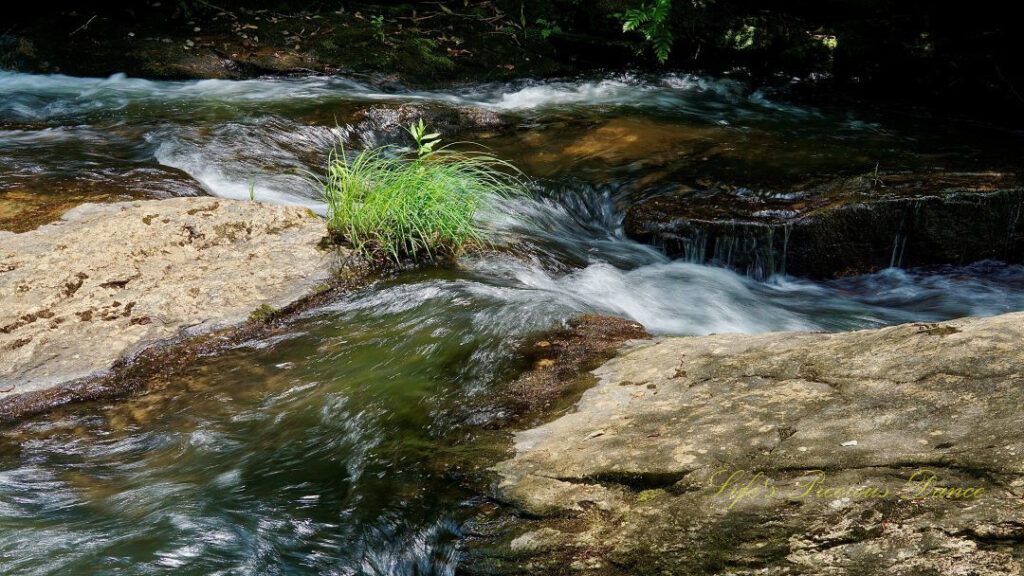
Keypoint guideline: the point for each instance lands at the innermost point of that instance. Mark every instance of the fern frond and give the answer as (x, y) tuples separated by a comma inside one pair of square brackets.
[(652, 21)]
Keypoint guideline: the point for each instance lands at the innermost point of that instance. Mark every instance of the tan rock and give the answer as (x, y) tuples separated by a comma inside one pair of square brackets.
[(108, 280), (841, 415)]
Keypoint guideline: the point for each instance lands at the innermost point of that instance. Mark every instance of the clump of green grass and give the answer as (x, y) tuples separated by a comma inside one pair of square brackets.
[(388, 204)]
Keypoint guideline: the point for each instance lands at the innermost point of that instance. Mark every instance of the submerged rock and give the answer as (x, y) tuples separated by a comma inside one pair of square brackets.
[(892, 451), (108, 280), (849, 226)]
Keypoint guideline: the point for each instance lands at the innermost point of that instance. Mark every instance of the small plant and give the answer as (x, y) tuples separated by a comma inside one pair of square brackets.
[(744, 36), (387, 205), (548, 27), (876, 180), (651, 20), (378, 27), (424, 142), (262, 314)]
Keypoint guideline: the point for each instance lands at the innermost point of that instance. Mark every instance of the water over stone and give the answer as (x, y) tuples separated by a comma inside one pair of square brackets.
[(332, 439), (840, 227)]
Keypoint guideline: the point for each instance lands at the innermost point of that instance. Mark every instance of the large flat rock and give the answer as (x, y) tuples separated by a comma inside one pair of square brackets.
[(109, 280), (638, 475)]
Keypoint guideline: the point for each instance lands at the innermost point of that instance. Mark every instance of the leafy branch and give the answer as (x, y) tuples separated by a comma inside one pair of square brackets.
[(652, 20)]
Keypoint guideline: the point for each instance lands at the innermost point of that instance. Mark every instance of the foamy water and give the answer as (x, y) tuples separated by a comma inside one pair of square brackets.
[(327, 447)]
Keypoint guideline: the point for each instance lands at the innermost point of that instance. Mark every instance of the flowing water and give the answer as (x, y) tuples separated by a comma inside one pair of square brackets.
[(325, 447)]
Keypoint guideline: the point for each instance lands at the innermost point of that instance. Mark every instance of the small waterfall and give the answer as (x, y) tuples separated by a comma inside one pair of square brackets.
[(785, 247), (320, 448), (751, 249), (695, 247), (899, 245)]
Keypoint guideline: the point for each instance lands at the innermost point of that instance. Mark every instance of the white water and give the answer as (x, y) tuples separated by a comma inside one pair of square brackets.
[(267, 138), (31, 97), (314, 449)]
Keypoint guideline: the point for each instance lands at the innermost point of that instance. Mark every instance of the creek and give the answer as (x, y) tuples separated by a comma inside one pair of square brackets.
[(321, 448)]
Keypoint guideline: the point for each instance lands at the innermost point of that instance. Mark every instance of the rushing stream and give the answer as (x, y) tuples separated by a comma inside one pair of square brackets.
[(321, 448)]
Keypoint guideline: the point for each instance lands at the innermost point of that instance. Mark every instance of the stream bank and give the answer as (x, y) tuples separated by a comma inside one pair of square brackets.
[(933, 59), (891, 451), (422, 43)]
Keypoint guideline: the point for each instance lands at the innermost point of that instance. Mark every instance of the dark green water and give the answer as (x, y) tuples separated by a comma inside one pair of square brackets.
[(326, 447)]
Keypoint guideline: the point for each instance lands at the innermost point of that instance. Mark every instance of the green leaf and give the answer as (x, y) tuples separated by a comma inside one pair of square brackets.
[(652, 21)]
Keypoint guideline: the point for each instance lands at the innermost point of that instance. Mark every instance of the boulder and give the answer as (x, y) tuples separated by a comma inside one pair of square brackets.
[(389, 125), (891, 451), (840, 227), (109, 280)]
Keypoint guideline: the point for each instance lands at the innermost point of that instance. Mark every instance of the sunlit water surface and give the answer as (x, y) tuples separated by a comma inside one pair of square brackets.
[(322, 448)]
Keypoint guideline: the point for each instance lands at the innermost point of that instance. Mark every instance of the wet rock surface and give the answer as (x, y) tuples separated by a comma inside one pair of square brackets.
[(382, 125), (108, 280), (891, 451), (560, 362), (840, 227), (27, 203)]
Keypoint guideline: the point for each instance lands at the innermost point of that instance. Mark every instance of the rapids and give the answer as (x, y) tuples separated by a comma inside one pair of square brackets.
[(321, 449)]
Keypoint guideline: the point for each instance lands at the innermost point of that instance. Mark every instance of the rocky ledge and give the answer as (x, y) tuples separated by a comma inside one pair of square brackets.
[(891, 451), (109, 280), (839, 227)]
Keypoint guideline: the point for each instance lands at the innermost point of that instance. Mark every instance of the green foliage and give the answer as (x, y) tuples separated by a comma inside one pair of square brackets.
[(386, 205), (186, 8), (648, 495), (377, 22), (744, 36), (263, 314), (418, 56), (653, 21), (424, 142), (548, 27)]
